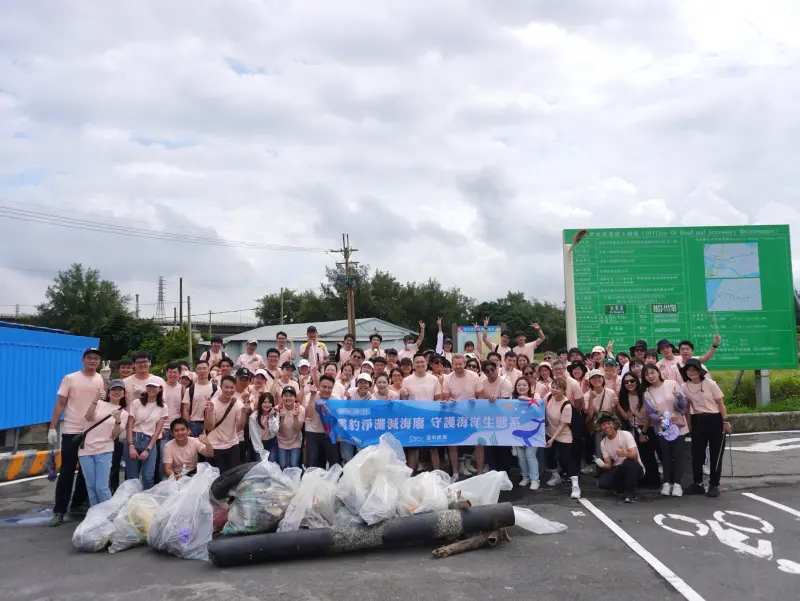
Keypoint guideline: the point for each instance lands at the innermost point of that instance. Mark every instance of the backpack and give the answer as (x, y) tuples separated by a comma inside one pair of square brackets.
[(191, 394)]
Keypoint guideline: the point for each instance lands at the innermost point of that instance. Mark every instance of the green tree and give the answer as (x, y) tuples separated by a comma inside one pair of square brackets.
[(517, 313), (78, 300), (122, 333), (172, 346)]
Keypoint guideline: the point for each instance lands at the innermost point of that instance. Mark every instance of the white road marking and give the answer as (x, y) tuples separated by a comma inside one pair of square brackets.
[(789, 510), (578, 514), (766, 527), (761, 433), (771, 446), (736, 540), (10, 482), (788, 566), (677, 583), (702, 529)]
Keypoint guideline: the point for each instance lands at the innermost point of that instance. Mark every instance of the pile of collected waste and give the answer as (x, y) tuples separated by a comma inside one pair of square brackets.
[(257, 512)]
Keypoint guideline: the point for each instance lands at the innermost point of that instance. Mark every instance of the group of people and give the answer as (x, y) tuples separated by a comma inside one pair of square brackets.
[(617, 415)]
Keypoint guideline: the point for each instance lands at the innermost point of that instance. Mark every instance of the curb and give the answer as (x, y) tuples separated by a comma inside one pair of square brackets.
[(764, 422), (25, 464)]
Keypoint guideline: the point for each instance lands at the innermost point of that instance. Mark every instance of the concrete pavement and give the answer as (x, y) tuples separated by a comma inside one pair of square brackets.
[(744, 545)]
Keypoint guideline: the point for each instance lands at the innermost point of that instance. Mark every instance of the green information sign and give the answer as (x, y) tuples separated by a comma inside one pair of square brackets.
[(689, 283)]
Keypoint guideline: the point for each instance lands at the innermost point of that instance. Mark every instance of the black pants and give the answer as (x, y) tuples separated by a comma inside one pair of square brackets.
[(578, 432), (622, 478), (226, 459), (707, 432), (321, 451), (647, 453), (66, 477), (672, 459), (562, 452), (116, 466)]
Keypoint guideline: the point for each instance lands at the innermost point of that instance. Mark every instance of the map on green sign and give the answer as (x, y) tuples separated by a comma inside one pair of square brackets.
[(689, 283)]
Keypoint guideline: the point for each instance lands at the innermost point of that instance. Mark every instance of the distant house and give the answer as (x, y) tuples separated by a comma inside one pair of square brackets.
[(329, 332)]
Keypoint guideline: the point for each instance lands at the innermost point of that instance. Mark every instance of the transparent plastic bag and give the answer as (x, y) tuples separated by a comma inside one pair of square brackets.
[(483, 489), (94, 533), (261, 498), (185, 523), (533, 522), (134, 520), (313, 505), (371, 481), (424, 493)]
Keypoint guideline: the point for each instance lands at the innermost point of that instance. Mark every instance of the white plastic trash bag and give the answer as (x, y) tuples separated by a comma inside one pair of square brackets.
[(424, 493), (313, 505), (261, 498), (134, 520), (185, 525), (94, 533), (533, 522), (371, 481), (483, 489)]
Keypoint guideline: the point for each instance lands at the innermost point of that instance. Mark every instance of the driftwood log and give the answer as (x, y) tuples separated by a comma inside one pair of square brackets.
[(473, 542)]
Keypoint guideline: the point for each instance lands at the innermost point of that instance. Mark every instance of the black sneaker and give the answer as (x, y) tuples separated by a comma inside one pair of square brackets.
[(713, 491), (695, 489), (56, 520), (79, 510)]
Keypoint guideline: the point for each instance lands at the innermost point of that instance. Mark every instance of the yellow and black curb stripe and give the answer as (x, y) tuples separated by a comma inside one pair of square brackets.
[(25, 464)]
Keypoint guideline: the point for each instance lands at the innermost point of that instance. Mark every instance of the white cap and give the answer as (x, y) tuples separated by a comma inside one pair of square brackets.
[(365, 377), (595, 372), (252, 341), (598, 349), (370, 363), (155, 381), (304, 363), (262, 372)]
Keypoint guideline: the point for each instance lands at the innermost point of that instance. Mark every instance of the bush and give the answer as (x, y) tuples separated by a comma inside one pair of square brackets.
[(784, 385)]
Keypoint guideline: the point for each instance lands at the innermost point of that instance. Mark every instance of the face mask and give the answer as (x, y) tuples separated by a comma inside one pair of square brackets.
[(409, 346)]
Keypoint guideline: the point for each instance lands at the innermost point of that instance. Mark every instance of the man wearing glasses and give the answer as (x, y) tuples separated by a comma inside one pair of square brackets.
[(135, 385)]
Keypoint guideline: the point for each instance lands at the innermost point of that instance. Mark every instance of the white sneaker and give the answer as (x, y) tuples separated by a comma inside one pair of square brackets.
[(534, 485), (677, 491), (666, 489), (486, 470), (454, 478), (524, 482), (707, 470), (599, 462), (576, 492), (587, 469), (462, 470), (471, 468), (554, 480)]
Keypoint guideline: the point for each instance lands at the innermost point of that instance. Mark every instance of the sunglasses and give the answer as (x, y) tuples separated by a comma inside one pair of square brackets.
[(528, 373), (627, 382)]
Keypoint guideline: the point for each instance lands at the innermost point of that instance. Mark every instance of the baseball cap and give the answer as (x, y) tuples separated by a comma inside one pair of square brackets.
[(155, 381), (91, 351), (116, 384), (286, 389), (391, 351), (304, 363), (610, 361), (243, 372), (406, 361), (598, 349), (288, 365), (595, 372), (370, 363), (365, 377), (262, 372), (252, 341)]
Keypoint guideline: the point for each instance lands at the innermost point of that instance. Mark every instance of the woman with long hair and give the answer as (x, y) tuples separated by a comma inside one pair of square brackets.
[(558, 411), (145, 423), (263, 426), (631, 402), (344, 382), (598, 398), (528, 461), (545, 379), (384, 392), (119, 444), (666, 408), (396, 382), (522, 362)]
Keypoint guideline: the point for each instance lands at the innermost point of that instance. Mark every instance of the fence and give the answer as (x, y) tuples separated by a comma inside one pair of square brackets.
[(33, 361)]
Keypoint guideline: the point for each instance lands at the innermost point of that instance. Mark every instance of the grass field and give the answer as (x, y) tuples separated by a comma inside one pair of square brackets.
[(784, 387)]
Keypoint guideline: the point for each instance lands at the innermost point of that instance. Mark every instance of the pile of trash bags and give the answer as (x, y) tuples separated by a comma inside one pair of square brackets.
[(134, 520), (94, 533)]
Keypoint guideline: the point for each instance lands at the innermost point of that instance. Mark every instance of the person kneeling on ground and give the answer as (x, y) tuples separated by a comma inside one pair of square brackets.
[(621, 467), (181, 453)]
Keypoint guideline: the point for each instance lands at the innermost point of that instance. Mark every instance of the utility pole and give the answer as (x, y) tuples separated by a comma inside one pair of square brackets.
[(349, 280), (16, 311), (137, 306), (160, 314), (189, 326), (209, 322), (175, 316), (180, 300), (281, 305)]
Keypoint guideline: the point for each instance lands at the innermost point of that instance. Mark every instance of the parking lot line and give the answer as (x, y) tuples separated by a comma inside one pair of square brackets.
[(677, 582), (794, 512)]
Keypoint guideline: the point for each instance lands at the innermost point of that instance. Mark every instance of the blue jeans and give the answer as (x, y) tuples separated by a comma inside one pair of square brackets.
[(134, 466), (196, 428), (288, 458), (96, 469), (348, 451), (528, 462)]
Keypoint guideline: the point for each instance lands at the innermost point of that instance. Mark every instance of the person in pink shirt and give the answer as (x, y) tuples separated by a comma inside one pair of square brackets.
[(463, 385), (510, 367), (320, 451), (175, 397), (668, 365), (145, 424), (505, 340), (216, 354), (251, 360), (74, 396), (375, 349), (411, 348), (103, 425), (558, 412), (528, 348), (225, 416), (686, 350), (182, 452), (272, 368), (391, 359), (611, 375), (528, 461), (423, 386), (396, 378), (382, 390), (286, 353), (344, 350), (290, 437), (545, 380)]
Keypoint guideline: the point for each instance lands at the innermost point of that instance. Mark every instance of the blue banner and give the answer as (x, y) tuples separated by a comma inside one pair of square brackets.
[(504, 423)]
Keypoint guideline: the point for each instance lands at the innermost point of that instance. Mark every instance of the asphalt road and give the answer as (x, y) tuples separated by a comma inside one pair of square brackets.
[(736, 547)]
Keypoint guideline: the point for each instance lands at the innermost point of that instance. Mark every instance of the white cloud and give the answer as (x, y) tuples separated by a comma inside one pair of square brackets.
[(473, 132)]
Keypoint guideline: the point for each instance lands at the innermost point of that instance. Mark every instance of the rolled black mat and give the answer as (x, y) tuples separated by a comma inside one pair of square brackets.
[(222, 486), (412, 530)]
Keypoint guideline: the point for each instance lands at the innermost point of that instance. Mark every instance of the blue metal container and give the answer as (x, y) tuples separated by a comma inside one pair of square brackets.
[(33, 361)]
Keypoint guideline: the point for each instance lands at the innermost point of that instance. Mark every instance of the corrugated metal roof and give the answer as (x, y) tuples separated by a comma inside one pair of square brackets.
[(326, 330), (32, 364)]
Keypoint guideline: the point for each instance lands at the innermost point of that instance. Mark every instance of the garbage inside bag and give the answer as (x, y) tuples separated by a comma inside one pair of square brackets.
[(94, 533), (313, 505), (483, 489), (185, 524), (342, 516), (533, 522), (370, 482), (261, 498), (133, 521), (424, 493), (220, 516)]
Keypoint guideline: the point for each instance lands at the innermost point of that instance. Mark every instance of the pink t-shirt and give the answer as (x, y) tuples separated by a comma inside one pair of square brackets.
[(313, 422), (465, 388), (555, 416), (99, 440), (278, 386), (663, 399), (202, 393), (513, 375), (134, 387), (391, 395), (212, 358), (146, 417), (640, 414), (669, 370), (605, 401), (224, 436), (407, 353), (174, 398), (179, 456), (79, 390), (289, 435), (371, 353), (286, 355), (574, 391), (501, 388), (622, 441), (703, 397), (528, 349), (423, 388), (251, 362)]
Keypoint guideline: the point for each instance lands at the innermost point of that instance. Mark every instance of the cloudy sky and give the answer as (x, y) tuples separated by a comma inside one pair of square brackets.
[(452, 138)]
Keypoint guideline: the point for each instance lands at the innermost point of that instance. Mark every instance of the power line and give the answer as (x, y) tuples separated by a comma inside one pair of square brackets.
[(106, 228)]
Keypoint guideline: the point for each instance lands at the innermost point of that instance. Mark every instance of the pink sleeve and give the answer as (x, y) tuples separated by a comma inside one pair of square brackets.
[(63, 389)]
